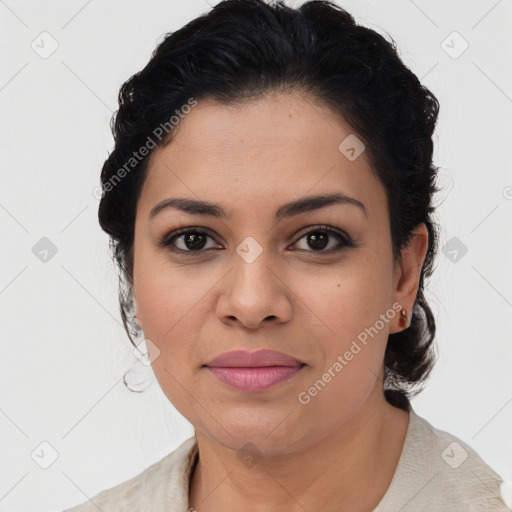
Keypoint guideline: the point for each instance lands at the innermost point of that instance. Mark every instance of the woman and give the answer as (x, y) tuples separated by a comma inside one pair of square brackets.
[(269, 202)]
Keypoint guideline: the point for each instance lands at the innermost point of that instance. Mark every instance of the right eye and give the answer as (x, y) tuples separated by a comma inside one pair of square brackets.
[(191, 240)]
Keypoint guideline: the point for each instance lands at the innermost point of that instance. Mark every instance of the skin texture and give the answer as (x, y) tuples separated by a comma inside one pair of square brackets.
[(251, 158)]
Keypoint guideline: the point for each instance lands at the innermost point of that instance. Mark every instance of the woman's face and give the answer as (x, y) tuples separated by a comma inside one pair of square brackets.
[(252, 280)]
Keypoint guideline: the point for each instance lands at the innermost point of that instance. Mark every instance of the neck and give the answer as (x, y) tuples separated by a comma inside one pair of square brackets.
[(360, 458)]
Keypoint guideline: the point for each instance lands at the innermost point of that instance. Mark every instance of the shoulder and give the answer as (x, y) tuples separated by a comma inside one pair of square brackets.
[(439, 471), (164, 482)]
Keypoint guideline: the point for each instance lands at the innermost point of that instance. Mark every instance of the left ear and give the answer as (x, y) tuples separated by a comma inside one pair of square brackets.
[(406, 276)]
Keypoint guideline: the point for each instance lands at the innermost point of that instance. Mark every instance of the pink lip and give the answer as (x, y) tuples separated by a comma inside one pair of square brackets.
[(246, 359), (254, 371)]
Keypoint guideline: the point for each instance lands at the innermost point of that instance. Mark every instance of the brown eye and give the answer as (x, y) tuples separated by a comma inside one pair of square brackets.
[(194, 240), (189, 240), (319, 240)]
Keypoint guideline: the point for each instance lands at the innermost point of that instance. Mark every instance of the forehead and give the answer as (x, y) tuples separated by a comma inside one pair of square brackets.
[(259, 153)]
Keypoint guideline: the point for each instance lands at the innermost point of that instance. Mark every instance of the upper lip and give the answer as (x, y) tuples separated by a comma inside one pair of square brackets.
[(258, 358)]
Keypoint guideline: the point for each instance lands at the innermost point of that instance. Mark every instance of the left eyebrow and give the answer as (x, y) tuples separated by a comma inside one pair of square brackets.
[(290, 209)]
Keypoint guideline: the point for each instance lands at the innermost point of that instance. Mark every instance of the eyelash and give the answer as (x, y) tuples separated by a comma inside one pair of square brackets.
[(167, 240)]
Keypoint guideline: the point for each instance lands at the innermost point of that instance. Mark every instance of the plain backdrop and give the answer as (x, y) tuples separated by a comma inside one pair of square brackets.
[(63, 350)]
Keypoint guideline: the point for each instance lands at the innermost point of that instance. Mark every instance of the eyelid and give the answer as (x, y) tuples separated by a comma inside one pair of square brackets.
[(321, 227)]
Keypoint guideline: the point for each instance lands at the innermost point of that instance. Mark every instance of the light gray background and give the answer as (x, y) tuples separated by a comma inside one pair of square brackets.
[(63, 350)]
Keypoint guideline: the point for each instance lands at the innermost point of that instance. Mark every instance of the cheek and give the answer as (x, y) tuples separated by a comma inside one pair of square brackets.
[(163, 293), (352, 340), (171, 310), (349, 310), (173, 302), (346, 299), (167, 311), (164, 300)]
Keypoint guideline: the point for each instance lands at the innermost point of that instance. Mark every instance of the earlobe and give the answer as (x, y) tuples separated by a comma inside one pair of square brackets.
[(405, 318), (407, 275)]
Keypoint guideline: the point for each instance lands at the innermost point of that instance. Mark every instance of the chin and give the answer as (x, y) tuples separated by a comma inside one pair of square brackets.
[(274, 432)]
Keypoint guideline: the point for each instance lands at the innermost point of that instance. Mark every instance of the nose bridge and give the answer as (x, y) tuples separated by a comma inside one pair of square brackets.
[(252, 275), (254, 290)]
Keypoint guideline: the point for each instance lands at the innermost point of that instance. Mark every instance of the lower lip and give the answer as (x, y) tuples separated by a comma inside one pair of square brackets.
[(254, 379)]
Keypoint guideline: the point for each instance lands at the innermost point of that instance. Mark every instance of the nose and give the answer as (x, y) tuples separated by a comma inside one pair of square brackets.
[(254, 294)]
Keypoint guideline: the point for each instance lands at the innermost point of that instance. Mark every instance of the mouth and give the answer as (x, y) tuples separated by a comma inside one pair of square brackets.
[(254, 379), (254, 371)]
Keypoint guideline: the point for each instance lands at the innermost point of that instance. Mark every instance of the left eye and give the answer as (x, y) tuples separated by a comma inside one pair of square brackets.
[(319, 238)]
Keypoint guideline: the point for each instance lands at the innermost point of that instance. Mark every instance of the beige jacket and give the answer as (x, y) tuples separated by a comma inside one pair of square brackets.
[(437, 472)]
